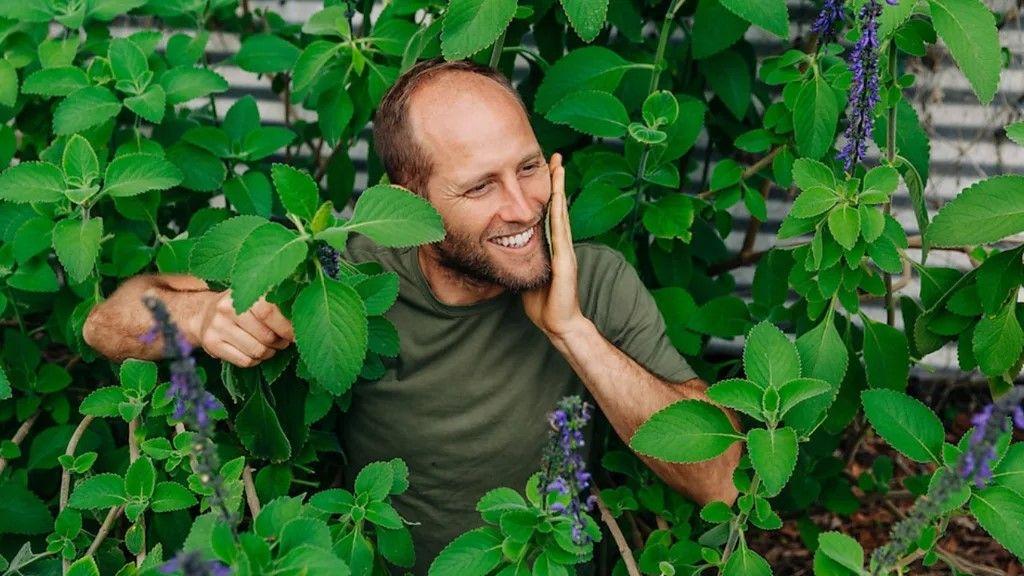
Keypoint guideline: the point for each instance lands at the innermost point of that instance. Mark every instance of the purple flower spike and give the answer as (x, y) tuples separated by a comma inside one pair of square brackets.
[(192, 564), (826, 26), (564, 470), (864, 89)]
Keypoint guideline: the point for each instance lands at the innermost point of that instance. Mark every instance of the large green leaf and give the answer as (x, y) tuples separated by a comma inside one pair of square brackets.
[(84, 109), (298, 192), (265, 53), (133, 174), (685, 431), (586, 16), (260, 431), (730, 77), (475, 553), (22, 512), (746, 562), (998, 340), (185, 83), (8, 84), (266, 258), (715, 28), (987, 211), (331, 332), (591, 112), (814, 124), (823, 356), (670, 217), (81, 167), (773, 454), (769, 358), (472, 25), (771, 15), (969, 30), (99, 491), (739, 394), (77, 243), (886, 356), (213, 255), (588, 68), (311, 63), (1000, 511), (597, 209), (127, 62), (905, 423), (394, 217), (32, 182)]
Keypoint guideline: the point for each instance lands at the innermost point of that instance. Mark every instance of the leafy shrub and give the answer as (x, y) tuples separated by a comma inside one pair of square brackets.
[(117, 160)]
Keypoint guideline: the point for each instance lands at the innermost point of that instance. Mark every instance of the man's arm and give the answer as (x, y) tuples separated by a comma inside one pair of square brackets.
[(628, 395), (205, 317)]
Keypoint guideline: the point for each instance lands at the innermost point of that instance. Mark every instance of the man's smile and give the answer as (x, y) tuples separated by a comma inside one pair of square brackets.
[(518, 242)]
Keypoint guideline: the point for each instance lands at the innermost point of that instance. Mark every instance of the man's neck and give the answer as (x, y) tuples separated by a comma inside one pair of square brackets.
[(450, 287)]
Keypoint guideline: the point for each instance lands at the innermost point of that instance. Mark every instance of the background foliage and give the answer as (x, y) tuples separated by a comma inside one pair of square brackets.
[(119, 161)]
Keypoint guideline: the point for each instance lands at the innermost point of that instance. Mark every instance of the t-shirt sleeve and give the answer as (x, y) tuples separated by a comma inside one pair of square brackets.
[(627, 315)]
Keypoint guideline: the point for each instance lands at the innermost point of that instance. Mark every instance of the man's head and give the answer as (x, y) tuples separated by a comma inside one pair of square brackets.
[(457, 134)]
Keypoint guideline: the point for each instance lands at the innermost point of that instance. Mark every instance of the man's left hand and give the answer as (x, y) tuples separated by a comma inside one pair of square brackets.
[(555, 308)]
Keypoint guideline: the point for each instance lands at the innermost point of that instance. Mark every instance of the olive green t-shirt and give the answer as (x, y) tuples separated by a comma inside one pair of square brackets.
[(465, 403)]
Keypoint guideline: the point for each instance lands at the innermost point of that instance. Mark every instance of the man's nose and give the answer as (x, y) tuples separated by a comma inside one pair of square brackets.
[(517, 206)]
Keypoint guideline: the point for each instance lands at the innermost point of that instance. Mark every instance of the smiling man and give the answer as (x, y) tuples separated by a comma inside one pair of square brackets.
[(494, 331)]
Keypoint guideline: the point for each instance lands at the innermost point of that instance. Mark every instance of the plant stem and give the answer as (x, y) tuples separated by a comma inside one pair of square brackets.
[(65, 476), (250, 491), (133, 455), (101, 535), (22, 431), (620, 540), (496, 51), (736, 526), (890, 154)]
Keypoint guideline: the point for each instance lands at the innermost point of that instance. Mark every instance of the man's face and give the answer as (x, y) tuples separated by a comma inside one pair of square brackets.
[(490, 181)]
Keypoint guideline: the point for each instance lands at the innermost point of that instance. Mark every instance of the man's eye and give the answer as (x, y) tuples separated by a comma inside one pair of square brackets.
[(478, 189), (530, 167)]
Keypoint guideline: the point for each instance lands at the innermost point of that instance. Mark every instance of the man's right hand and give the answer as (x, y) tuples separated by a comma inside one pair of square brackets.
[(245, 339)]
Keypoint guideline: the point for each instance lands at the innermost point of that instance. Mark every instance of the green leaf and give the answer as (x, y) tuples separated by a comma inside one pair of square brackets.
[(730, 77), (587, 68), (773, 454), (334, 112), (739, 394), (823, 356), (138, 375), (169, 496), (394, 217), (250, 193), (85, 566), (969, 30), (140, 480), (375, 480), (150, 105), (1000, 511), (266, 258), (1015, 132), (591, 112), (746, 562), (77, 243), (307, 559), (472, 25), (998, 340), (586, 16), (815, 124), (127, 62), (813, 201), (881, 181), (133, 174), (715, 28), (81, 167), (844, 224), (905, 423), (396, 546), (498, 501), (769, 358), (266, 53), (311, 62), (811, 173), (298, 192), (32, 182), (768, 14), (60, 81), (85, 108), (8, 84), (330, 21), (213, 255), (475, 553), (331, 332), (260, 431), (685, 431), (669, 217), (796, 391), (886, 356), (987, 211), (22, 512), (185, 83), (102, 402), (842, 549), (99, 491)]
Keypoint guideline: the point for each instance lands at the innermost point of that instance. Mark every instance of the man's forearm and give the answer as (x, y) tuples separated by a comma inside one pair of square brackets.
[(628, 395), (115, 326)]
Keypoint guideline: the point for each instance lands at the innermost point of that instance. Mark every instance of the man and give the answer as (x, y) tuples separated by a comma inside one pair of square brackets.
[(493, 331)]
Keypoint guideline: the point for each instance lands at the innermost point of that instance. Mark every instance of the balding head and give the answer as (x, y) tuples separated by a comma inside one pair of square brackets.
[(427, 107)]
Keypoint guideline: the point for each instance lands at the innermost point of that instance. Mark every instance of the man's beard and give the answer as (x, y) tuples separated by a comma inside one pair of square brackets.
[(464, 255)]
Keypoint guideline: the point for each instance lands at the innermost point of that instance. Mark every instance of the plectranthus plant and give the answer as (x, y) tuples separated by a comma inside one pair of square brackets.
[(547, 532)]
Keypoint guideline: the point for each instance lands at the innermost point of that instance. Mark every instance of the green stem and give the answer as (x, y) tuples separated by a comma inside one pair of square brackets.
[(890, 154), (496, 51), (666, 31)]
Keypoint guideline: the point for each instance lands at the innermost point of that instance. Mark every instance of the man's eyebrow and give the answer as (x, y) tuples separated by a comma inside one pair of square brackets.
[(474, 180)]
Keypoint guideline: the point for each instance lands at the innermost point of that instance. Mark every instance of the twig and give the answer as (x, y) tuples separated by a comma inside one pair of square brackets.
[(620, 540), (65, 475), (19, 435), (101, 535), (750, 171), (251, 498), (133, 455)]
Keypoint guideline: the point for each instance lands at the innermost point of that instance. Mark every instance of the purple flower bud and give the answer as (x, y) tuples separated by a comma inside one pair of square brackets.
[(826, 26), (864, 88)]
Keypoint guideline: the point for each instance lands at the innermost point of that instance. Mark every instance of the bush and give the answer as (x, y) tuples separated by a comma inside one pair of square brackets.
[(116, 157)]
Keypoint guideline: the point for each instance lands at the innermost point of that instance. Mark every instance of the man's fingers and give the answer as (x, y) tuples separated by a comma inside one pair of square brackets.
[(272, 317), (244, 341), (229, 353), (257, 329)]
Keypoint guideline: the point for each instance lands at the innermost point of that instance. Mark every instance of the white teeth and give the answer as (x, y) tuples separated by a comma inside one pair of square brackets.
[(517, 241)]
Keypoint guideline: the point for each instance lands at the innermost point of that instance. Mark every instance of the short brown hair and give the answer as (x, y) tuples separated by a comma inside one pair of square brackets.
[(404, 159)]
